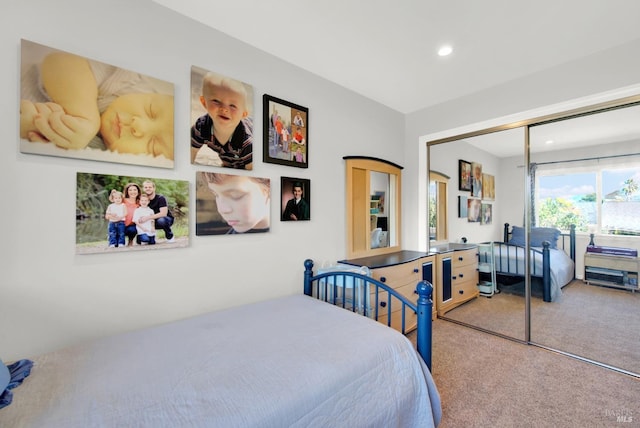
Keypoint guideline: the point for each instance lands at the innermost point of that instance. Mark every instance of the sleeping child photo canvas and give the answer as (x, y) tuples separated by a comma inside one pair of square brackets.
[(76, 107)]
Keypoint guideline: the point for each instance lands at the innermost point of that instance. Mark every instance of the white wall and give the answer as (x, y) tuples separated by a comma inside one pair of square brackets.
[(50, 297)]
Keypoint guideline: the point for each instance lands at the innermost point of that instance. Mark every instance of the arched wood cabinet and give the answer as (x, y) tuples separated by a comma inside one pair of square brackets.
[(373, 206), (374, 230)]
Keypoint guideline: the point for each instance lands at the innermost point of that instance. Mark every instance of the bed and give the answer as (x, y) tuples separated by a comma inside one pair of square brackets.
[(291, 361), (552, 258)]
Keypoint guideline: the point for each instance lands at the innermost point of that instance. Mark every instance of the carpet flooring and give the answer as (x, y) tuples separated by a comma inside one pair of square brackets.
[(488, 381), (593, 322)]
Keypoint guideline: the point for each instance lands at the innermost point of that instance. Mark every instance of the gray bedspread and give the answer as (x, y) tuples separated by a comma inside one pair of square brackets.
[(287, 362)]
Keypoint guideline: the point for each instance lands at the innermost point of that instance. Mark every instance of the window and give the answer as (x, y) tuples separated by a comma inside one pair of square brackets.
[(600, 198)]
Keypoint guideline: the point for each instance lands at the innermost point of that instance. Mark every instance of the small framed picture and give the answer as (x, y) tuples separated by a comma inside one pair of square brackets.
[(473, 210), (462, 207), (295, 197), (476, 180), (486, 214), (488, 187), (286, 133), (464, 175)]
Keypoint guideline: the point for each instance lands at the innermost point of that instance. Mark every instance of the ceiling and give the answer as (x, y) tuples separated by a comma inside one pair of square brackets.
[(387, 51), (608, 127)]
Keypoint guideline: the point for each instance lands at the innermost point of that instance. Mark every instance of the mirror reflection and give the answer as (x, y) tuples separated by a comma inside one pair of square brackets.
[(438, 184), (585, 171), (379, 209), (486, 191), (373, 206)]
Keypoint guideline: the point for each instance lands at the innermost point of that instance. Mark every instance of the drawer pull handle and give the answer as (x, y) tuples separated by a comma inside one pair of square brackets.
[(453, 277), (383, 304), (415, 270), (383, 279), (461, 291), (461, 275), (461, 258)]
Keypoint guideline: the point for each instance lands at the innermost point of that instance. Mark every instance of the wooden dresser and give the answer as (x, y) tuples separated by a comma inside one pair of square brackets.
[(402, 271), (457, 274)]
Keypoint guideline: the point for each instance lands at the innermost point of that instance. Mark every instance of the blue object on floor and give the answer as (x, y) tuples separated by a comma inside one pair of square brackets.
[(18, 371)]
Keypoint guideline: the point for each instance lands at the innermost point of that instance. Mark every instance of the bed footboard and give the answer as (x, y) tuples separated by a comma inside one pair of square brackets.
[(567, 242), (509, 261), (362, 294)]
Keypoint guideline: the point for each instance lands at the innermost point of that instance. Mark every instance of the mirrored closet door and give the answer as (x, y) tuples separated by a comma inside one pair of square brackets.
[(478, 217), (586, 171), (581, 169)]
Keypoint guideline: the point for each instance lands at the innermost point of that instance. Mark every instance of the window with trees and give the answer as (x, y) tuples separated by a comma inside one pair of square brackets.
[(601, 198)]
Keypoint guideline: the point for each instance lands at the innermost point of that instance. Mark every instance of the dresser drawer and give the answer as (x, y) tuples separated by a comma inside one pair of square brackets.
[(465, 290), (399, 274), (464, 258), (410, 317), (464, 273), (407, 290)]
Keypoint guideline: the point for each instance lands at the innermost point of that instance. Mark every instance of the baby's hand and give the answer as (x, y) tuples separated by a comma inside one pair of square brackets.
[(28, 114), (66, 131)]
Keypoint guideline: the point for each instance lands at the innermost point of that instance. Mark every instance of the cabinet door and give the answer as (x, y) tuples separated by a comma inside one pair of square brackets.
[(427, 272), (445, 278)]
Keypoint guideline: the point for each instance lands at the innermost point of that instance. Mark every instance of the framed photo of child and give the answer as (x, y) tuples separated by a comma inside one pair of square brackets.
[(117, 213), (229, 204), (286, 132), (221, 120), (76, 107), (295, 197)]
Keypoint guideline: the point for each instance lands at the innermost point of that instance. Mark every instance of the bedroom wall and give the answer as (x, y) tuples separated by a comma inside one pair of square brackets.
[(50, 297)]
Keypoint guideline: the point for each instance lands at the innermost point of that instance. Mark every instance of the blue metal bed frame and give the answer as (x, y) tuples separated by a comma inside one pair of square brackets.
[(341, 287), (507, 249)]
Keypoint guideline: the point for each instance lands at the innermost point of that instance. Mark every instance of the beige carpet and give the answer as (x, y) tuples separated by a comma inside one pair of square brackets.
[(488, 381), (594, 322)]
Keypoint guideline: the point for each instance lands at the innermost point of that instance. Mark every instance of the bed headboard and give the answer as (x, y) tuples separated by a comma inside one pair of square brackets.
[(506, 233), (566, 241)]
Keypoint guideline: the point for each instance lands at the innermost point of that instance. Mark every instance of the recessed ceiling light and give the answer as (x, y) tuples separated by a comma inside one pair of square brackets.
[(445, 50), (548, 142)]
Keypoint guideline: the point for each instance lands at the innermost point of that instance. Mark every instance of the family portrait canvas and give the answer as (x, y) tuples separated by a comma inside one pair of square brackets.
[(117, 213), (295, 199), (221, 120), (76, 107), (228, 204), (286, 133)]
